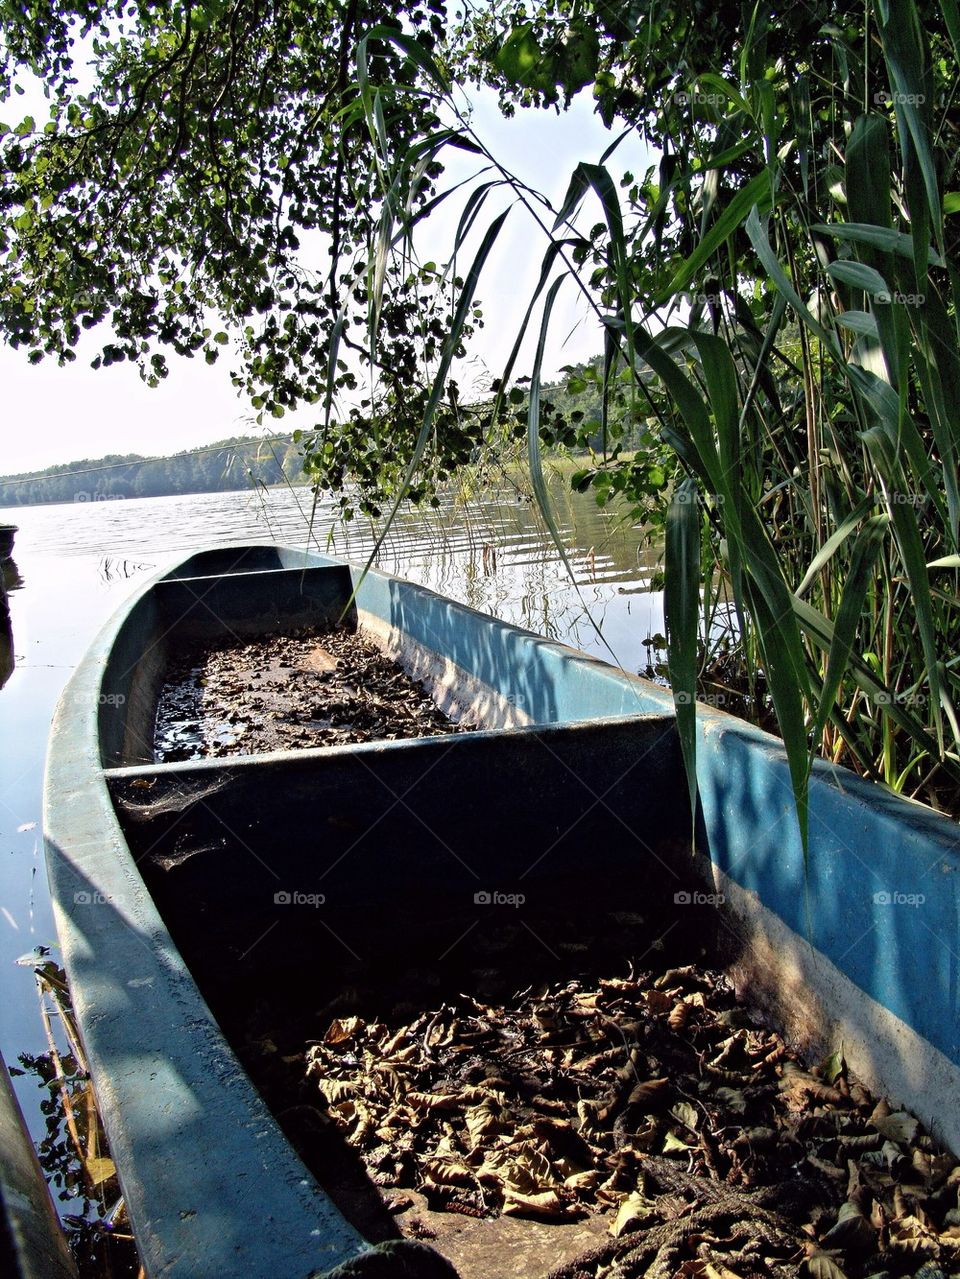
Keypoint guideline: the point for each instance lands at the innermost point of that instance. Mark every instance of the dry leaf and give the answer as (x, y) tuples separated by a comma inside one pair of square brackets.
[(444, 1172), (584, 1180), (899, 1127), (733, 1099), (632, 1212), (482, 1121), (851, 1232), (342, 1029), (336, 1090), (657, 1002), (99, 1169), (679, 1016), (435, 1100), (547, 1204), (686, 1113), (650, 1096), (820, 1265)]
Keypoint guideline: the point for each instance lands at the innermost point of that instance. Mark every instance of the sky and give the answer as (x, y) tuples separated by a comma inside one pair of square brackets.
[(56, 415)]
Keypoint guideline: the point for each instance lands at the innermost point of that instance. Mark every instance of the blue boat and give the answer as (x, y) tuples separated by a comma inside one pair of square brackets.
[(176, 885)]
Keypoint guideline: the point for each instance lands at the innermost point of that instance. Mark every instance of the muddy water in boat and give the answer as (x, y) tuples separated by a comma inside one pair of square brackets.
[(287, 692)]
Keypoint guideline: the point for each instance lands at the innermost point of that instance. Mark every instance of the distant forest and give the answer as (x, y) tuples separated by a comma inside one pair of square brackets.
[(235, 463), (244, 460)]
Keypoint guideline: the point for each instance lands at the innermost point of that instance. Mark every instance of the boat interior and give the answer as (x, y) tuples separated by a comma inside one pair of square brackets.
[(382, 878)]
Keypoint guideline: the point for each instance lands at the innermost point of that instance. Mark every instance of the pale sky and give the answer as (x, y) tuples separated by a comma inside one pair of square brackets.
[(58, 415)]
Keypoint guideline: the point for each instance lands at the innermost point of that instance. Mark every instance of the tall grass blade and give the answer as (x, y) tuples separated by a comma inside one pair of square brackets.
[(681, 601), (858, 579)]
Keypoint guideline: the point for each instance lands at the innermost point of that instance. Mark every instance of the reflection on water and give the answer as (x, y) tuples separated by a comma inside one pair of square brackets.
[(10, 580), (117, 570), (80, 561)]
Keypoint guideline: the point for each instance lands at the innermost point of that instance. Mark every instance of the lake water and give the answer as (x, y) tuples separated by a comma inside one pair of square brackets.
[(77, 563)]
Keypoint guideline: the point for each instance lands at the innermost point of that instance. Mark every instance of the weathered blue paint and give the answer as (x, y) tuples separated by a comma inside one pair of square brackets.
[(175, 1097)]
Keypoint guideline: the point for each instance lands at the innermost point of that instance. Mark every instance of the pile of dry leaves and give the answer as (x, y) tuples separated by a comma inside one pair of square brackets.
[(657, 1102), (286, 692)]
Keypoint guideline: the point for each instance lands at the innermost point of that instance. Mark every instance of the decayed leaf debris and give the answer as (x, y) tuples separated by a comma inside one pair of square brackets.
[(661, 1103), (285, 692)]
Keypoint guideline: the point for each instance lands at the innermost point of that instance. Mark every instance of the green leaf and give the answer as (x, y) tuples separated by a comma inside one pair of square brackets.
[(833, 543), (856, 584), (834, 1066), (860, 322), (859, 276), (523, 62), (417, 53), (681, 602), (910, 544), (880, 237), (756, 194), (764, 251)]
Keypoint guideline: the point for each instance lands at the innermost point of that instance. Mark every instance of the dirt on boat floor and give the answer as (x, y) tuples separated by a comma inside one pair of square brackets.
[(287, 692), (641, 1125)]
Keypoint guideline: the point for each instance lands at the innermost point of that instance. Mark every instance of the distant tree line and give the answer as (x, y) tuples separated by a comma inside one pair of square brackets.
[(234, 463)]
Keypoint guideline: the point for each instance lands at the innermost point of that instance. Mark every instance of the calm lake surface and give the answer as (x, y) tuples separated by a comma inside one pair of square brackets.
[(78, 562)]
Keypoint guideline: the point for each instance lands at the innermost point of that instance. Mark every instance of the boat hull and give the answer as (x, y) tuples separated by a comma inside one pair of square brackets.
[(571, 794)]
